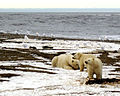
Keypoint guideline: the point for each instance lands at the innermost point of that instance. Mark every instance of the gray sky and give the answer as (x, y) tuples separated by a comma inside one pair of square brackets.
[(59, 3)]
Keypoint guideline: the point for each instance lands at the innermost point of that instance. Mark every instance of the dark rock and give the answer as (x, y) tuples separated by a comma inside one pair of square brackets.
[(47, 47), (32, 47)]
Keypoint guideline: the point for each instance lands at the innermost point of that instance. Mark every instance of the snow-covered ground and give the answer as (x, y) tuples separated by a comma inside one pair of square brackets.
[(62, 82), (65, 82), (77, 45)]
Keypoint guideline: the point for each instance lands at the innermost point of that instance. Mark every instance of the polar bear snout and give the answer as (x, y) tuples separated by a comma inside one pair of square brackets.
[(86, 62)]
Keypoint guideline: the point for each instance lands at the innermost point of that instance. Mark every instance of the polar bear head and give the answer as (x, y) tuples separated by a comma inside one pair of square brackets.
[(77, 55), (75, 64), (89, 61)]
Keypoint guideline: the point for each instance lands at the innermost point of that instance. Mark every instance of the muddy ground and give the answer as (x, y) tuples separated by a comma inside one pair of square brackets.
[(32, 54)]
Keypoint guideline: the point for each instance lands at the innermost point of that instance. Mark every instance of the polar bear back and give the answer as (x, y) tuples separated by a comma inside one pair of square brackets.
[(97, 64), (64, 59), (54, 61)]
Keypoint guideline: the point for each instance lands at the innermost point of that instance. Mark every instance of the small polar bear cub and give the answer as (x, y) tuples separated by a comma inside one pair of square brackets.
[(65, 61), (94, 66)]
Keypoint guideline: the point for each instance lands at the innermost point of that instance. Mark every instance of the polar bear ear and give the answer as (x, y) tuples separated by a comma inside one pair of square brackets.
[(79, 55)]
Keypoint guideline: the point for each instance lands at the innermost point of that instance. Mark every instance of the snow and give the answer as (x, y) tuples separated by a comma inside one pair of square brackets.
[(65, 82), (81, 46)]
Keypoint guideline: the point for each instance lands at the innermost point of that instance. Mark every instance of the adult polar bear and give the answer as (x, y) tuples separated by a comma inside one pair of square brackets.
[(82, 57), (94, 66), (65, 61)]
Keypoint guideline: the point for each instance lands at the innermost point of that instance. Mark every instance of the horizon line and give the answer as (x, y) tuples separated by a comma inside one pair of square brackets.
[(59, 9)]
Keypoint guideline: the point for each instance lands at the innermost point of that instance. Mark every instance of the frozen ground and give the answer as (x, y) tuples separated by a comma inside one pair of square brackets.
[(28, 72), (65, 82)]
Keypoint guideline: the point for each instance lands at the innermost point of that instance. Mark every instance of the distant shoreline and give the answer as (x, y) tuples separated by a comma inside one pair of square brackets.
[(59, 9), (4, 36)]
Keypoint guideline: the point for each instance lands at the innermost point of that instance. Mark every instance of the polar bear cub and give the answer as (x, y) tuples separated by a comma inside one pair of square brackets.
[(94, 66), (82, 57), (65, 61)]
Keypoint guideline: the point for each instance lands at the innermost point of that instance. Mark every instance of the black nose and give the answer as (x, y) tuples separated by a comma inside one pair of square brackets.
[(73, 57), (86, 62)]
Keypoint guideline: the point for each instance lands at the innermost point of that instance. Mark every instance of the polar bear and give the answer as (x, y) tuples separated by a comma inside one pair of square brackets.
[(81, 57), (94, 66), (65, 61)]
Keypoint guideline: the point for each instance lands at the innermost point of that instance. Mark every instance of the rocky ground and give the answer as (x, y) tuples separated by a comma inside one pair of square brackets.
[(25, 67)]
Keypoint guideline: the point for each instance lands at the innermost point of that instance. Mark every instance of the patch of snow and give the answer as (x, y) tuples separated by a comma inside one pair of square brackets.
[(65, 82), (63, 44)]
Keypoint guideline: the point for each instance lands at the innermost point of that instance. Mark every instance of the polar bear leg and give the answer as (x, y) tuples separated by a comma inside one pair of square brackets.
[(90, 74), (81, 66), (98, 72), (99, 75), (68, 68)]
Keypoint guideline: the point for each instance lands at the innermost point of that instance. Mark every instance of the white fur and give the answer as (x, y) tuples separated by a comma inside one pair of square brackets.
[(94, 66), (65, 61), (82, 57)]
